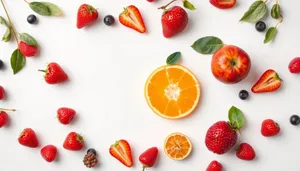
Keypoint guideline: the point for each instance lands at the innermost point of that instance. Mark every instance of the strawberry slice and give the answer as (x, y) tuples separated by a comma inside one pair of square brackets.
[(132, 18), (121, 150), (268, 82), (223, 4)]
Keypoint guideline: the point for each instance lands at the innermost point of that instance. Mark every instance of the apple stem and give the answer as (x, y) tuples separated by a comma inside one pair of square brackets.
[(144, 167), (165, 6), (3, 109)]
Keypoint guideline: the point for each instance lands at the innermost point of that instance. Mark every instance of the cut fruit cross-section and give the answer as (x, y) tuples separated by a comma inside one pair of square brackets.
[(177, 146), (172, 91)]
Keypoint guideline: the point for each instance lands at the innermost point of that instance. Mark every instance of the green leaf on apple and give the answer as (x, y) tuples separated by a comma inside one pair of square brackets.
[(236, 118), (188, 5), (275, 11), (173, 58), (270, 35), (207, 45), (256, 11)]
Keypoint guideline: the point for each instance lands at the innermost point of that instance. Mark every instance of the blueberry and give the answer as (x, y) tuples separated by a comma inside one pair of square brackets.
[(1, 64), (91, 150), (109, 20), (31, 19), (243, 94), (260, 26), (295, 120)]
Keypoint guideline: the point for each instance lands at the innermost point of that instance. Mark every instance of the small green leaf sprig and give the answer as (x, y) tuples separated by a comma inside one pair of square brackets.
[(258, 10), (186, 4), (173, 58), (17, 60), (45, 8)]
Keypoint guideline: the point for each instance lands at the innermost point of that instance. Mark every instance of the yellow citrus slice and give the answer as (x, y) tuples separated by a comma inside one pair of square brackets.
[(177, 146), (172, 91)]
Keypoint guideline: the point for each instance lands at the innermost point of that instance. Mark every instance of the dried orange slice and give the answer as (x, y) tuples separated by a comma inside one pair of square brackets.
[(172, 91), (177, 146)]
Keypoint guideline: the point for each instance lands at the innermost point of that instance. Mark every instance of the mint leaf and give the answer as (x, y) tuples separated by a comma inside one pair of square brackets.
[(236, 118), (173, 58), (270, 35), (25, 37), (207, 45), (7, 35), (255, 12), (17, 61), (275, 11), (188, 5), (53, 9), (40, 8)]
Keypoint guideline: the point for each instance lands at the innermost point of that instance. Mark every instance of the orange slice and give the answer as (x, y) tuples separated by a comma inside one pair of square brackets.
[(172, 91), (177, 146)]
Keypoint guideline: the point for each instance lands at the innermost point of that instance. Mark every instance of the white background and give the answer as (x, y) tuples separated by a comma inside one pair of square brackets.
[(108, 67)]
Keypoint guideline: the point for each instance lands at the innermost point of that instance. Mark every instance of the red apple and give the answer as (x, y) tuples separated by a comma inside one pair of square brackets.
[(230, 64)]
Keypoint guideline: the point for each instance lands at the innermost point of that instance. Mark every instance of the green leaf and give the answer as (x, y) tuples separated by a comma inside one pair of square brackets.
[(25, 37), (40, 8), (188, 5), (275, 11), (236, 118), (255, 12), (173, 58), (270, 35), (3, 21), (207, 45), (17, 61), (53, 9), (7, 36)]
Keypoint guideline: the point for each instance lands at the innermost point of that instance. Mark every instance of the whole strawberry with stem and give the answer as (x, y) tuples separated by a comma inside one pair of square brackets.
[(2, 93), (214, 166), (4, 117), (245, 152), (73, 142), (222, 135), (65, 115), (269, 128), (28, 138), (149, 157), (86, 15), (54, 74)]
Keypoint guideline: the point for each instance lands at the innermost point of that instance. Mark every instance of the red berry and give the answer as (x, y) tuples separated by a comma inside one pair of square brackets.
[(3, 118), (49, 153), (2, 93), (149, 157), (73, 142), (54, 74), (294, 65), (150, 0), (28, 138), (269, 128), (86, 15), (214, 166), (65, 115), (245, 152), (223, 4), (27, 50)]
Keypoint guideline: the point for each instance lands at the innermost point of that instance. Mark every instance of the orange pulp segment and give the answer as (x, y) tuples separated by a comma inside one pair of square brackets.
[(172, 91), (177, 146)]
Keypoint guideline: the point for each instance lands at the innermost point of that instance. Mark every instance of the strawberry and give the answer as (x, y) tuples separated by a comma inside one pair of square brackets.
[(149, 157), (27, 50), (223, 4), (132, 18), (28, 138), (173, 21), (222, 135), (294, 66), (245, 152), (2, 93), (54, 74), (121, 150), (214, 166), (3, 118), (65, 115), (268, 82), (86, 15), (269, 128), (73, 142), (49, 153)]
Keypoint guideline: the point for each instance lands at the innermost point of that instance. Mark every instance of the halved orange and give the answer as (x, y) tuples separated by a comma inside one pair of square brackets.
[(172, 91), (177, 146)]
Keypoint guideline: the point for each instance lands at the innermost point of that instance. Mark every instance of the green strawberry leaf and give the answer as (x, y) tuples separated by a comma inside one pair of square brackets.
[(53, 9), (270, 35), (236, 118), (275, 11), (7, 36), (40, 8), (3, 21), (173, 58), (17, 61), (25, 37), (188, 5), (255, 12), (207, 45)]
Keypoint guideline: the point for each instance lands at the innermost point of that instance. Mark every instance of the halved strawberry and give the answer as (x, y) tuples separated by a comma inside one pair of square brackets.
[(121, 150), (268, 82), (132, 18), (223, 4)]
